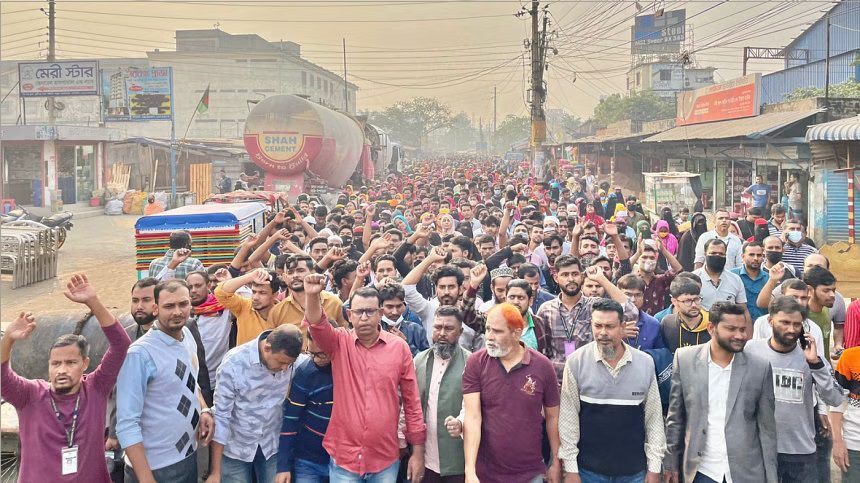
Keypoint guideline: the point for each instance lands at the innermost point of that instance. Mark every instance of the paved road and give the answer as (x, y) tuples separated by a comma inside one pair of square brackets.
[(101, 246)]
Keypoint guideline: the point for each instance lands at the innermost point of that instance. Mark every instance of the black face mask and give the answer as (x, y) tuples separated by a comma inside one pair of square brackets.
[(715, 263), (773, 257)]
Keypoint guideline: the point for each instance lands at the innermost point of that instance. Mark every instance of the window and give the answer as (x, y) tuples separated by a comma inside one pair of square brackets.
[(665, 75), (638, 79), (304, 79)]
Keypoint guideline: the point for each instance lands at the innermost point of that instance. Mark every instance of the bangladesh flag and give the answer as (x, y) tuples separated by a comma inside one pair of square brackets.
[(203, 105)]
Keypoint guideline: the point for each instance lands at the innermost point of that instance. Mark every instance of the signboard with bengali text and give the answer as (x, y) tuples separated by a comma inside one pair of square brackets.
[(734, 99), (135, 94), (659, 34), (59, 78)]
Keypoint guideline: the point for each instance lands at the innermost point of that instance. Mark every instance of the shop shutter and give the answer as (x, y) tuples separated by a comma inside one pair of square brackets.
[(836, 203)]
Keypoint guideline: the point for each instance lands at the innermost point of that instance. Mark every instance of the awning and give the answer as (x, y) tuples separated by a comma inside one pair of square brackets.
[(610, 139), (751, 127), (841, 130), (194, 146)]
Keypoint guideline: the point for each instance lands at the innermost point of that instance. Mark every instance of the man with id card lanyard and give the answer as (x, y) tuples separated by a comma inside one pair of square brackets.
[(569, 315), (62, 420)]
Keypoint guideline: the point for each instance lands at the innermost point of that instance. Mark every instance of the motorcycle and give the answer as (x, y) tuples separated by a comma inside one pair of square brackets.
[(61, 222)]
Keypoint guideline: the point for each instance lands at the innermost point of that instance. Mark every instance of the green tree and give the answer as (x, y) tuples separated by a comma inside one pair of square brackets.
[(570, 123), (411, 121), (849, 89), (641, 106), (511, 130), (460, 135)]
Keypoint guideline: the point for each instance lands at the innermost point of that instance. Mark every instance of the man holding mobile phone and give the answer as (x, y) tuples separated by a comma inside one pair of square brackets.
[(796, 367)]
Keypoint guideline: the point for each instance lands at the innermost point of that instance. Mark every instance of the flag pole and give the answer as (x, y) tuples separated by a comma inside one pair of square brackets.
[(193, 114)]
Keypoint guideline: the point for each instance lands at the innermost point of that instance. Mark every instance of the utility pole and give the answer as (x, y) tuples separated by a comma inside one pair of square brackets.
[(538, 92), (495, 98), (827, 70), (52, 53), (49, 148), (345, 88)]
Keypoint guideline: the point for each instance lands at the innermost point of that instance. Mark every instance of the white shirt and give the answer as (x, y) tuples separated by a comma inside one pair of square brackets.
[(730, 288), (431, 449), (715, 458), (734, 249), (215, 335)]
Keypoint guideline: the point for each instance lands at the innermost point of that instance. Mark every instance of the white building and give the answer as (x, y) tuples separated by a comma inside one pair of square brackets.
[(667, 78)]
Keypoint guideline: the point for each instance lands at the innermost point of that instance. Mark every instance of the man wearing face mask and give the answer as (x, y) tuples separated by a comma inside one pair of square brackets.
[(794, 250), (720, 232), (656, 285), (718, 284), (773, 250), (394, 319)]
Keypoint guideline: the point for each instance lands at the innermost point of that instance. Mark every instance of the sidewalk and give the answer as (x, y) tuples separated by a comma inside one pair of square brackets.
[(80, 210)]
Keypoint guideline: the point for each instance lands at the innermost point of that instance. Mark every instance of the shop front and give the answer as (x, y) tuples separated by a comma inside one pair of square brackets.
[(42, 165), (730, 154)]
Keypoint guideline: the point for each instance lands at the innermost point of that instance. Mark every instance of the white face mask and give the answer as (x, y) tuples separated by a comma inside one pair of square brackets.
[(392, 323), (795, 236), (648, 265)]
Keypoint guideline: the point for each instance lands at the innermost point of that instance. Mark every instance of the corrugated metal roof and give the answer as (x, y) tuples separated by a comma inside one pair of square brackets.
[(605, 139), (749, 127), (841, 130)]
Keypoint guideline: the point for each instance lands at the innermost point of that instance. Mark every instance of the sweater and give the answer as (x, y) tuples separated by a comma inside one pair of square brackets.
[(157, 402), (307, 412), (40, 433)]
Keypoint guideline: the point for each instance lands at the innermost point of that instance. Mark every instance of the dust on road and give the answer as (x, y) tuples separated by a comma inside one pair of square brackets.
[(103, 248)]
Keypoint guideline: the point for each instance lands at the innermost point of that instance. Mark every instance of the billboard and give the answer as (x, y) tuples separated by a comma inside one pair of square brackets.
[(60, 78), (135, 94), (734, 99), (659, 34)]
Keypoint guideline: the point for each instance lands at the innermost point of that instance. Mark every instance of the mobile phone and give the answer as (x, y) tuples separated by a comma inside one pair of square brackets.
[(802, 338)]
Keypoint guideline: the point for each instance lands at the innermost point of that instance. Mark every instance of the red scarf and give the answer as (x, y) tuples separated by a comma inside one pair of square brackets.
[(210, 307)]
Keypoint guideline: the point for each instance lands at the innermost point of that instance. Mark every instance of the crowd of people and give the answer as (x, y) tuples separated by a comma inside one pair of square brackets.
[(463, 321)]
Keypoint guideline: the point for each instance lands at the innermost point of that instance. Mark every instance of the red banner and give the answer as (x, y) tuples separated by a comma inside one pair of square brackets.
[(734, 99), (283, 153)]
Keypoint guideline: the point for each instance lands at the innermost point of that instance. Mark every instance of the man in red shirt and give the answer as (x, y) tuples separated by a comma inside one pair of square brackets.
[(508, 391), (368, 368)]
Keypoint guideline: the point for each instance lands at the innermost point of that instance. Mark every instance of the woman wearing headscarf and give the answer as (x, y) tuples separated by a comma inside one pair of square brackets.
[(687, 244), (593, 216), (665, 235), (667, 216), (445, 224), (402, 224)]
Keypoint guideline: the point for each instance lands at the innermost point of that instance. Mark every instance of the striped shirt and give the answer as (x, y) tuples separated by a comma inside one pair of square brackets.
[(795, 255)]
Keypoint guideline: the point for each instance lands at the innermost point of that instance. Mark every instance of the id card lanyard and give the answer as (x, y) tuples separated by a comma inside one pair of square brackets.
[(69, 454), (70, 432)]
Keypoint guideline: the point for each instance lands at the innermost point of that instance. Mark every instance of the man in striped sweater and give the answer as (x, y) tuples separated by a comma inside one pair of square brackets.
[(307, 410)]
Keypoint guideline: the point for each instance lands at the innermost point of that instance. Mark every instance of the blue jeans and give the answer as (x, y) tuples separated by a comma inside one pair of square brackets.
[(589, 477), (235, 471), (339, 475), (305, 471)]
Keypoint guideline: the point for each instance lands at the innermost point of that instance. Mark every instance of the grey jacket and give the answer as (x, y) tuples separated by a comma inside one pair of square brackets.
[(750, 423)]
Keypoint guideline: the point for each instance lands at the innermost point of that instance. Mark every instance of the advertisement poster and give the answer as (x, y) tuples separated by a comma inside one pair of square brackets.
[(134, 94), (659, 34), (734, 99), (60, 78), (283, 153)]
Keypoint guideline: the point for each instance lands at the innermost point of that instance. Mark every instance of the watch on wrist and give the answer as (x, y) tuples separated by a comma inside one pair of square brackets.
[(209, 410)]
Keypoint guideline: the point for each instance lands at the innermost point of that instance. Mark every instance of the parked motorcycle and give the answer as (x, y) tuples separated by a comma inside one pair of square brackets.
[(61, 222)]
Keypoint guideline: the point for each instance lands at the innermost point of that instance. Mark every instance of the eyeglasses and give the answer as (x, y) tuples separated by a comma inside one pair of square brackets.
[(634, 295), (316, 355), (361, 313), (689, 302)]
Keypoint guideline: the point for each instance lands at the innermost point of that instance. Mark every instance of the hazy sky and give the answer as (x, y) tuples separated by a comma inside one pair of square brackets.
[(456, 51)]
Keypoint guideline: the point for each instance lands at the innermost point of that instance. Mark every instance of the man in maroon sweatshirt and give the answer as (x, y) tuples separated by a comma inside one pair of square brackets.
[(62, 421)]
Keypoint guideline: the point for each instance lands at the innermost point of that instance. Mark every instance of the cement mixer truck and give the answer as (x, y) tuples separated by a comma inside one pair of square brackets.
[(299, 144)]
